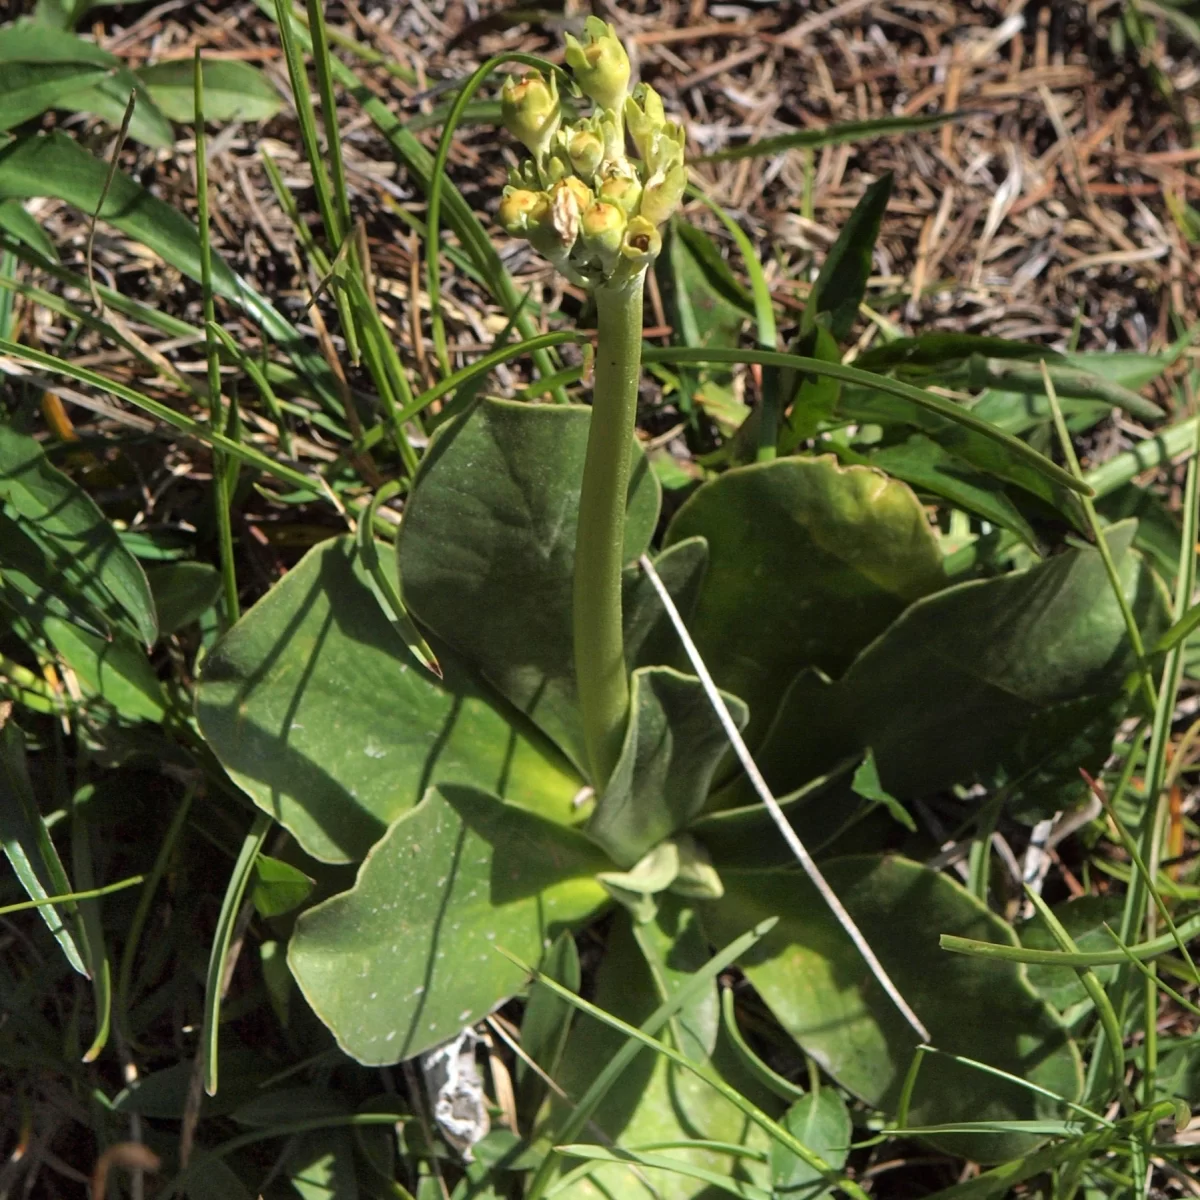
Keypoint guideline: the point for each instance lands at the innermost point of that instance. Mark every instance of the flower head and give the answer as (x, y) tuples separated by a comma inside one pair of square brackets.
[(584, 201)]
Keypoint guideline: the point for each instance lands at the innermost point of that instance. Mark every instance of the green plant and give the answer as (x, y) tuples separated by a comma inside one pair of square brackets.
[(495, 724), (46, 66), (818, 596)]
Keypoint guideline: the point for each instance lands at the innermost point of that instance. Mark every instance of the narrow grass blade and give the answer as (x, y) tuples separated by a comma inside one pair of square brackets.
[(462, 220), (1143, 873), (881, 383), (133, 935), (247, 454), (93, 947), (216, 413), (1095, 989), (797, 848), (437, 182), (333, 141), (385, 590), (772, 1080), (1000, 1181), (832, 135), (1147, 973), (639, 1037), (27, 845), (259, 379), (58, 166), (1144, 951), (222, 940), (73, 897), (1110, 567), (587, 1104), (663, 1162)]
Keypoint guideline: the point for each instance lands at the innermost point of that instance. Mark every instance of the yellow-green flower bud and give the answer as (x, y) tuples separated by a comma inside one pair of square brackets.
[(521, 210), (530, 110), (586, 151), (624, 190), (602, 228), (645, 118), (600, 64), (662, 194), (642, 242)]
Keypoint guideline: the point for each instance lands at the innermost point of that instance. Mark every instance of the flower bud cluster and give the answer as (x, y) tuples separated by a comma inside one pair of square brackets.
[(581, 199)]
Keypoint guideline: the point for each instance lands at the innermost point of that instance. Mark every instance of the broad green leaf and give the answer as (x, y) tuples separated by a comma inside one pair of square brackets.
[(808, 561), (1146, 455), (27, 844), (653, 1101), (56, 165), (281, 1106), (183, 592), (707, 306), (989, 677), (31, 52), (842, 282), (25, 228), (320, 1165), (407, 958), (990, 456), (108, 99), (929, 350), (64, 14), (1018, 411), (822, 1122), (317, 709), (277, 887), (487, 549), (29, 89), (66, 522), (815, 401), (211, 1178), (27, 566), (929, 467), (741, 833), (815, 982), (866, 784), (673, 745), (113, 671), (233, 90), (651, 638)]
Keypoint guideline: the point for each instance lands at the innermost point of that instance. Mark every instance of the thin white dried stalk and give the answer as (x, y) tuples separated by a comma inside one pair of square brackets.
[(772, 806)]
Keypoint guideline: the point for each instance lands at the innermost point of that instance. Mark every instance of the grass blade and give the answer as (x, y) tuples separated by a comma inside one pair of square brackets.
[(222, 940), (832, 135)]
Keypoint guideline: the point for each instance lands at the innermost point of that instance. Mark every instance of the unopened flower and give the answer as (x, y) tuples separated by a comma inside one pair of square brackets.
[(521, 210), (530, 110), (586, 151), (600, 64), (645, 118), (662, 194), (602, 229), (624, 190)]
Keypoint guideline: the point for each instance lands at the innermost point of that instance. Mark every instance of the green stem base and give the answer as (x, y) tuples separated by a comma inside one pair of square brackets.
[(600, 672)]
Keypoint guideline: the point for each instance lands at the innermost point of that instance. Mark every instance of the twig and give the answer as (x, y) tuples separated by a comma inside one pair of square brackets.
[(772, 806)]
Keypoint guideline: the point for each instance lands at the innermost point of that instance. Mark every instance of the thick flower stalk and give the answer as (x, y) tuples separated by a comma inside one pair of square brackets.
[(594, 210)]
